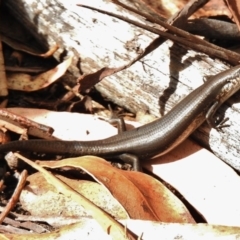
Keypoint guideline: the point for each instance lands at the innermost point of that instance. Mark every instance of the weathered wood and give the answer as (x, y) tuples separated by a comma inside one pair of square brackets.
[(156, 83)]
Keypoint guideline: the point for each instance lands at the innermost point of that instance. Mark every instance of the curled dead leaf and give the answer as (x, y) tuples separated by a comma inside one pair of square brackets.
[(25, 82), (141, 195)]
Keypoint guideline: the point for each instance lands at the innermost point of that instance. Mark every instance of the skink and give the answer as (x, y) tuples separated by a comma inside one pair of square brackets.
[(155, 138)]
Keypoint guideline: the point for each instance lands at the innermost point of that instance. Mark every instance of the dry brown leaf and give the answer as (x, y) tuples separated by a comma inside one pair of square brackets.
[(145, 199), (24, 82), (89, 80), (19, 46), (50, 52), (42, 199), (81, 230), (164, 203), (234, 8), (110, 225)]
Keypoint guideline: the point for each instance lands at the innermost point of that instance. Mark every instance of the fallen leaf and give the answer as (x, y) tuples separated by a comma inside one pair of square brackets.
[(82, 230), (17, 45), (234, 8), (110, 225), (89, 80), (89, 229), (25, 82), (164, 203), (42, 199), (142, 196)]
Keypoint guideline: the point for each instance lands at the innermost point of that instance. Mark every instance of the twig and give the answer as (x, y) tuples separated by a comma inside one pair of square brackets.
[(12, 202)]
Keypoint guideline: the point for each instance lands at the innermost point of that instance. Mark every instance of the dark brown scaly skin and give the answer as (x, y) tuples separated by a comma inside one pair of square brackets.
[(155, 138)]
